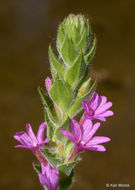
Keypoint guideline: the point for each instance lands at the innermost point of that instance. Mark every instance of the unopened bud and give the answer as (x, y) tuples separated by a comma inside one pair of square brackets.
[(84, 88), (48, 83)]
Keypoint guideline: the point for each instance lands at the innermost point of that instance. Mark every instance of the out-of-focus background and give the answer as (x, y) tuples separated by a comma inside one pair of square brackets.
[(26, 29)]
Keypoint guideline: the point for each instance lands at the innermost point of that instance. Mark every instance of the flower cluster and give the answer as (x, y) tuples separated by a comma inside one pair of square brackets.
[(82, 136), (49, 177)]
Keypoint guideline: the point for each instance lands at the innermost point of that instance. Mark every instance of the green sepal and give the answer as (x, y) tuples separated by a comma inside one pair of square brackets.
[(68, 52), (37, 168), (65, 181), (52, 158), (75, 73), (59, 68), (89, 56), (61, 94), (76, 106)]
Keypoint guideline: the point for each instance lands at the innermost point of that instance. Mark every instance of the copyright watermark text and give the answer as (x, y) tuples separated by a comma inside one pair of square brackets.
[(117, 185)]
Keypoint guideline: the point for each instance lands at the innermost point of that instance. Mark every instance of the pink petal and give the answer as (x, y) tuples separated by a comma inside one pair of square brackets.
[(98, 140), (103, 108), (23, 138), (46, 140), (44, 180), (48, 170), (40, 133), (92, 98), (54, 178), (85, 106), (49, 177), (21, 146), (93, 131), (67, 134), (100, 118), (93, 103), (99, 148), (106, 114), (18, 135), (76, 129), (43, 168), (86, 128), (31, 133), (102, 101)]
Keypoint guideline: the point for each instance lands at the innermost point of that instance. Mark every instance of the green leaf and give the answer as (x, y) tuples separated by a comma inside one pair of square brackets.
[(65, 181), (56, 65), (45, 99), (82, 80), (72, 28), (76, 106), (52, 158), (61, 94), (68, 53), (68, 149), (60, 36), (91, 53), (50, 128), (75, 73), (53, 72), (82, 43), (67, 167), (59, 136), (48, 105)]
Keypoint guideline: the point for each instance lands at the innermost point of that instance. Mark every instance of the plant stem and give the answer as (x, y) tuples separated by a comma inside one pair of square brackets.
[(73, 154), (40, 157)]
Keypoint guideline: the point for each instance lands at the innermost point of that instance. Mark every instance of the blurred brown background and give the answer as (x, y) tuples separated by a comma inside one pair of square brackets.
[(26, 29)]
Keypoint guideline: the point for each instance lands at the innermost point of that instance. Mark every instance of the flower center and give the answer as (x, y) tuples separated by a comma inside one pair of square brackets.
[(34, 144), (91, 112), (82, 142)]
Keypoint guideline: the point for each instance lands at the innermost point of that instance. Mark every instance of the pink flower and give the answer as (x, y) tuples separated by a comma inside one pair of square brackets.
[(97, 107), (29, 140), (82, 136), (49, 177)]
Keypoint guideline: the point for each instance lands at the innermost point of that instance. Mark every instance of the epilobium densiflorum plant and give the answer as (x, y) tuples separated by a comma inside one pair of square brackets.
[(69, 92)]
